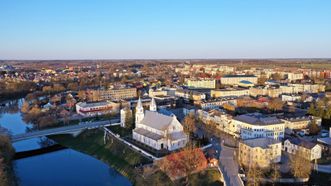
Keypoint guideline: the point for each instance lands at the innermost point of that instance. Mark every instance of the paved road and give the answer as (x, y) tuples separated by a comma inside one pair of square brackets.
[(229, 167), (227, 162), (61, 130)]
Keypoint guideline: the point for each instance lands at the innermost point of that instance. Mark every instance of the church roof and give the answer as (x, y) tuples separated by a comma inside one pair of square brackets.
[(148, 134), (178, 135), (157, 120)]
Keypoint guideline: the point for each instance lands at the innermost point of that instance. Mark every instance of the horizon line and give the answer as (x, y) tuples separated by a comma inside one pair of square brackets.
[(170, 59)]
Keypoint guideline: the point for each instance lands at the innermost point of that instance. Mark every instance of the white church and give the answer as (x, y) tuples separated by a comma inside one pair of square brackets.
[(157, 130)]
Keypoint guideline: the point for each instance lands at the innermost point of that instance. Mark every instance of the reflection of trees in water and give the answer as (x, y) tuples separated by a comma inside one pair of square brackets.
[(113, 173), (10, 107)]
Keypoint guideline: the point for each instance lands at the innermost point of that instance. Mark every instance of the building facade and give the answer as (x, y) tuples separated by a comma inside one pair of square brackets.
[(229, 92), (261, 152), (257, 125), (310, 150), (203, 83), (236, 79), (296, 123), (157, 130), (95, 108)]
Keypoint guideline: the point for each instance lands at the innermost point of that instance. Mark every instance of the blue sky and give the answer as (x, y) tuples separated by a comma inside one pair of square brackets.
[(129, 29)]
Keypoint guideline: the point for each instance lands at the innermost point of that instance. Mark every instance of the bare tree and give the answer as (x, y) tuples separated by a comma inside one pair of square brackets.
[(275, 173), (275, 104), (189, 124), (254, 175), (300, 166)]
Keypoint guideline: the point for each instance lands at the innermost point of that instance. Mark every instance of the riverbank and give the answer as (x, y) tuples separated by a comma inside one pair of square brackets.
[(125, 160), (7, 174), (113, 153)]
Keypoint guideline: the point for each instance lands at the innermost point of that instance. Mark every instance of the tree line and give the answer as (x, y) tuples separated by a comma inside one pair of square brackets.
[(7, 177)]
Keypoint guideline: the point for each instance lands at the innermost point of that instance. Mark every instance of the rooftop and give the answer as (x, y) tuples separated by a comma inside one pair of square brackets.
[(147, 133), (246, 82), (157, 120), (234, 76), (258, 119), (93, 104), (303, 143), (261, 142)]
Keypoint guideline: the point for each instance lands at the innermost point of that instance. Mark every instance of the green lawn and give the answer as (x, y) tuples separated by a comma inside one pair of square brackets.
[(206, 177), (117, 129), (124, 159)]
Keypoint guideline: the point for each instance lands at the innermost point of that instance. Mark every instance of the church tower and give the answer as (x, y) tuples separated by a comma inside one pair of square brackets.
[(139, 112), (152, 105)]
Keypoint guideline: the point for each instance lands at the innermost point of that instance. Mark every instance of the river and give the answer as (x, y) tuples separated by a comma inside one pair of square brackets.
[(61, 168)]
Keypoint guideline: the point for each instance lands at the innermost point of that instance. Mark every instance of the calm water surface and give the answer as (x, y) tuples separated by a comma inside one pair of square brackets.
[(62, 168)]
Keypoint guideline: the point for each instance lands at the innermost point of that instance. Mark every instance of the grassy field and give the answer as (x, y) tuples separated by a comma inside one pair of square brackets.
[(124, 159), (206, 177)]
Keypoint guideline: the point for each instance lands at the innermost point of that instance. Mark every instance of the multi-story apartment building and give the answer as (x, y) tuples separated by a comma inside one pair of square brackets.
[(110, 94), (257, 125), (220, 118), (229, 92), (270, 91), (296, 122), (261, 152), (292, 76), (307, 88), (123, 93), (309, 150), (216, 103), (236, 79), (190, 94), (201, 83), (153, 93), (276, 91)]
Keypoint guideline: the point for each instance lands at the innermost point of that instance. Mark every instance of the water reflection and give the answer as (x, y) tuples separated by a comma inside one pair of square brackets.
[(66, 168), (61, 168)]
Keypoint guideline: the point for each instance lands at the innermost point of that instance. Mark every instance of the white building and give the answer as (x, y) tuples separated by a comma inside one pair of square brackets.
[(297, 122), (201, 83), (229, 92), (94, 109), (257, 125), (311, 150), (221, 119), (190, 94), (157, 130), (291, 98), (236, 79)]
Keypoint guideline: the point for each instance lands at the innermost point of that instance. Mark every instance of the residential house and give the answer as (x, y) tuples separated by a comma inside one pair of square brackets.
[(310, 150)]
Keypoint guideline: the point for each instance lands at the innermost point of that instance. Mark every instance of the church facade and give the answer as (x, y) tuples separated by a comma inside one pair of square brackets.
[(157, 130)]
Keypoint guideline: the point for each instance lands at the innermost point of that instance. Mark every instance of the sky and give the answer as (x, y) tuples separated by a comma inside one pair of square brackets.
[(164, 29)]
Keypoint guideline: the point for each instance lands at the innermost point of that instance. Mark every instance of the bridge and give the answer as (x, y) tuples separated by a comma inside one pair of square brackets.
[(71, 129)]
